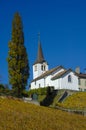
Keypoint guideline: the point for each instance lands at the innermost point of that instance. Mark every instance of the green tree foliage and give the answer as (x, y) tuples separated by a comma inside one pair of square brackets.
[(18, 65), (1, 86), (4, 90), (41, 91)]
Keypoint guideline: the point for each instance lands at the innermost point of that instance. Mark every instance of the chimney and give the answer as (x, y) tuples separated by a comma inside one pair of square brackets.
[(77, 70)]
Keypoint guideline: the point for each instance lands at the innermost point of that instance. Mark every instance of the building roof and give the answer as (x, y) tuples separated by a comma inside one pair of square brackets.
[(47, 73), (61, 74), (81, 75), (40, 57)]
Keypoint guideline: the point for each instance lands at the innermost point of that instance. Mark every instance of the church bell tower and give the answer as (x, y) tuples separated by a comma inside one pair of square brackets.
[(40, 66)]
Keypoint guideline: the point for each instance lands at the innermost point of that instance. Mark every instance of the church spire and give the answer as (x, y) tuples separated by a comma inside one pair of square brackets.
[(40, 66), (40, 57)]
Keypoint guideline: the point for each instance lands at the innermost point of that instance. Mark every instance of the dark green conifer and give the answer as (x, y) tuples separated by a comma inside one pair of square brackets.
[(18, 65)]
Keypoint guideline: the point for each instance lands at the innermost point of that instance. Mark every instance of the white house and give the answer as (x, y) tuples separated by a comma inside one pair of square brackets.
[(58, 77), (81, 79)]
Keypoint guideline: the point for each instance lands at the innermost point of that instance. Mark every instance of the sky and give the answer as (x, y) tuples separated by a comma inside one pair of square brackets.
[(62, 27)]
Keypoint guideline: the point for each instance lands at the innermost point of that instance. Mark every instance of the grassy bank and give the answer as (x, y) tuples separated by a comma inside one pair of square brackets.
[(17, 115), (75, 101)]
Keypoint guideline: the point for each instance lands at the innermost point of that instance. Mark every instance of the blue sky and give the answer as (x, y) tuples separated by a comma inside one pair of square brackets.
[(62, 27)]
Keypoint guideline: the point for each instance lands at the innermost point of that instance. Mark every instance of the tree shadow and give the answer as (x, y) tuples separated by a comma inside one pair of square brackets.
[(49, 97)]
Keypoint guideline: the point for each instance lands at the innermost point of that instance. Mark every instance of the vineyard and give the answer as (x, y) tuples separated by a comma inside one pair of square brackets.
[(17, 115)]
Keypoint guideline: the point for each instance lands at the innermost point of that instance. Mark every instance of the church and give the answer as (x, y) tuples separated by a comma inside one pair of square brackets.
[(58, 77)]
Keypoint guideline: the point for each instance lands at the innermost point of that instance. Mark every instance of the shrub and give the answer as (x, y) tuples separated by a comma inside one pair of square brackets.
[(41, 91)]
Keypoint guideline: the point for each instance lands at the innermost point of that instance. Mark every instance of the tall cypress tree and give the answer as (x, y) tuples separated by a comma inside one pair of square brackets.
[(18, 65)]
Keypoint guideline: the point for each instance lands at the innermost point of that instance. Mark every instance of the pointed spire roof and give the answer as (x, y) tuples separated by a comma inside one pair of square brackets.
[(40, 57)]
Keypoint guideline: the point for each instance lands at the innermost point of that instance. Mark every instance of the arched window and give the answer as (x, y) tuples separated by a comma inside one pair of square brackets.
[(69, 78), (42, 67)]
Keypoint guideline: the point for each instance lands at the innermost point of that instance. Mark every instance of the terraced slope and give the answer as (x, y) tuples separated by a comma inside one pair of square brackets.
[(17, 115), (75, 101)]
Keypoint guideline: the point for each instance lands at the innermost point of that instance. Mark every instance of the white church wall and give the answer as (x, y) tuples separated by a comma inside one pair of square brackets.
[(55, 84), (73, 85), (48, 81), (61, 83), (37, 69), (32, 85), (38, 84)]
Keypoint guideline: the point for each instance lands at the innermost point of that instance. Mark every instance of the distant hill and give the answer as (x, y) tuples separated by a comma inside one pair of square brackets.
[(17, 115)]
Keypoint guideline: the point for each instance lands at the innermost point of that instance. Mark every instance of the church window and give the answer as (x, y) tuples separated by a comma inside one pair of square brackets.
[(69, 79), (35, 67), (42, 67), (39, 85), (79, 82)]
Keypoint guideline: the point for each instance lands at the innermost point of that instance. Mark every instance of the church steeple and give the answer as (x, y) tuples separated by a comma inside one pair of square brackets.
[(40, 66), (40, 57)]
